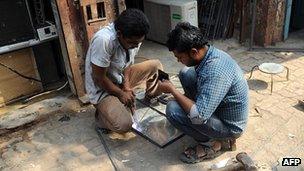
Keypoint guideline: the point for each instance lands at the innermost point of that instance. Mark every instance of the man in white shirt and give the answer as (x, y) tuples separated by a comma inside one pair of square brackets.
[(111, 75)]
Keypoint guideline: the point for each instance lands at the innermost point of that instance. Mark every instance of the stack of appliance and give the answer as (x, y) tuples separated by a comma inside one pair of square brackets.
[(165, 14)]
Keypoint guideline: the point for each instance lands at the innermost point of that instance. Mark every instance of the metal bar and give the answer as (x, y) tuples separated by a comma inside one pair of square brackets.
[(228, 19), (271, 88), (217, 19), (22, 45), (212, 7), (223, 19), (252, 24), (208, 20), (252, 71), (287, 74), (31, 19), (225, 15), (100, 135), (242, 21)]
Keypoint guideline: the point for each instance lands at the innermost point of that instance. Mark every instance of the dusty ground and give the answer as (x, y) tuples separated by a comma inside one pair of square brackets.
[(275, 128)]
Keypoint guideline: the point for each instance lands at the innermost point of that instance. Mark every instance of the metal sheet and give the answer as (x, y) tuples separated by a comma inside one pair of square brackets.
[(154, 126), (157, 129)]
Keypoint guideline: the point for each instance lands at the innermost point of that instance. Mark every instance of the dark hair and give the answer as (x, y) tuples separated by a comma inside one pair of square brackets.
[(132, 23), (184, 37)]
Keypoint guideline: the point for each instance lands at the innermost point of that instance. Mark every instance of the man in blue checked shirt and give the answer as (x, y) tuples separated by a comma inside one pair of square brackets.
[(214, 108)]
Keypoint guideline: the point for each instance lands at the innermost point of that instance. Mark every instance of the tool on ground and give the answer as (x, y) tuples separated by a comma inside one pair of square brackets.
[(244, 162)]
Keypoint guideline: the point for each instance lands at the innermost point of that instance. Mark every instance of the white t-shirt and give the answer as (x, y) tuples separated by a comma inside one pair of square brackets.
[(106, 51)]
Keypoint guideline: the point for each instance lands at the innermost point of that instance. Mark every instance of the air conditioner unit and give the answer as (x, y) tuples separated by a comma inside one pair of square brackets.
[(165, 14)]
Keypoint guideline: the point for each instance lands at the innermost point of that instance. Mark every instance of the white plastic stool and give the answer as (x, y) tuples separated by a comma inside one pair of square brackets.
[(272, 69)]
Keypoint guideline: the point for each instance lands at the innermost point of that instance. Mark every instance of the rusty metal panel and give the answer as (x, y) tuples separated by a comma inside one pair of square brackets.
[(269, 21)]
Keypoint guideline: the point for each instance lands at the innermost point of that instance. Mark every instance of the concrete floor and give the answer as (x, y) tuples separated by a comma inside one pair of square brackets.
[(275, 128)]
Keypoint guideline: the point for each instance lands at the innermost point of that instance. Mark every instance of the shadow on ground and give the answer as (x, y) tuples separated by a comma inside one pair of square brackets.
[(256, 85)]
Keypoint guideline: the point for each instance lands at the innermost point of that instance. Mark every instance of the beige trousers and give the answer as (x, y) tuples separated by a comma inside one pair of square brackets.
[(114, 115)]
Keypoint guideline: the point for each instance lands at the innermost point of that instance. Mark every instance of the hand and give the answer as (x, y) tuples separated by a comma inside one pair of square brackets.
[(127, 88), (132, 109), (166, 86), (127, 98), (126, 85)]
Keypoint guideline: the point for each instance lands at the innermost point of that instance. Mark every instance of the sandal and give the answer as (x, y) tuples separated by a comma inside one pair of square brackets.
[(193, 157)]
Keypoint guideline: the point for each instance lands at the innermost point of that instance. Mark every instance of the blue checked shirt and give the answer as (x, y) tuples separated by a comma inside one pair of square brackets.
[(222, 90)]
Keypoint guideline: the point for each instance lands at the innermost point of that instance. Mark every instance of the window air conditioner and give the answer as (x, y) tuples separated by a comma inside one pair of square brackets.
[(165, 14)]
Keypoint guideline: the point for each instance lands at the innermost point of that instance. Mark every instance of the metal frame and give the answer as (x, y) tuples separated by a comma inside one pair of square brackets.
[(153, 142), (271, 75), (145, 136)]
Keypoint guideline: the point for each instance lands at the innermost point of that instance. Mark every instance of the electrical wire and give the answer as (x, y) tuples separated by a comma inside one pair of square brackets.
[(47, 92), (16, 72)]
